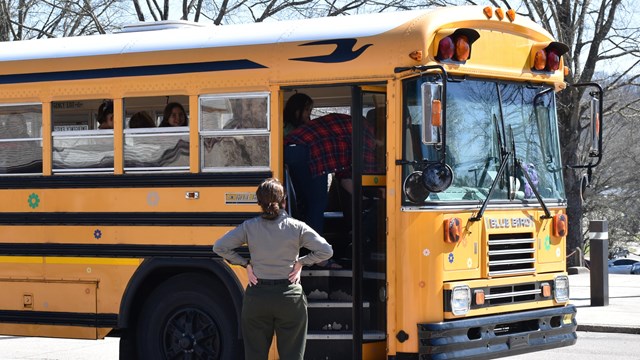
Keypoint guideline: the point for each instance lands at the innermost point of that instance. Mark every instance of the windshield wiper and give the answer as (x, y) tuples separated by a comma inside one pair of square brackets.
[(518, 163), (503, 164)]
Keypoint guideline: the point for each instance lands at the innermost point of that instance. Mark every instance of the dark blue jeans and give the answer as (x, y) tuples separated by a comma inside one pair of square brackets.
[(311, 191)]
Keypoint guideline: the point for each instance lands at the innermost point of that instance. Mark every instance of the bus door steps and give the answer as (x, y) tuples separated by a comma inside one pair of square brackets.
[(327, 284), (336, 345), (335, 316), (335, 284)]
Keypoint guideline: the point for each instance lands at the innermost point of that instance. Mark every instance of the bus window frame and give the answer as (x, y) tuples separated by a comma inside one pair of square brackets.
[(222, 133), (27, 139)]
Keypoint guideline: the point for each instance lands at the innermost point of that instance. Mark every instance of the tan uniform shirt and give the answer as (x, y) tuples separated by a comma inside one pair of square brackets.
[(274, 245)]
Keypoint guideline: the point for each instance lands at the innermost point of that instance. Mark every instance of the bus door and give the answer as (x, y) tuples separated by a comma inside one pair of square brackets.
[(347, 298), (368, 111)]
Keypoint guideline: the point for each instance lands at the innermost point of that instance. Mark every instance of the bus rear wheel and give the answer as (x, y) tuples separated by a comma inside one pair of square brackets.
[(185, 319)]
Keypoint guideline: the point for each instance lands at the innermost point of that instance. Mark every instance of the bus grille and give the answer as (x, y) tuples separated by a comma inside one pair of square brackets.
[(511, 254), (512, 294)]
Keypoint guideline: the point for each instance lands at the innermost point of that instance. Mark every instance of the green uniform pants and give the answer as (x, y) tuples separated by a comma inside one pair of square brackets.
[(274, 306)]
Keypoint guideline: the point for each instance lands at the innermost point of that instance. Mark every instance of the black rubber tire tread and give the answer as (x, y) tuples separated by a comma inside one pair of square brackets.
[(188, 297)]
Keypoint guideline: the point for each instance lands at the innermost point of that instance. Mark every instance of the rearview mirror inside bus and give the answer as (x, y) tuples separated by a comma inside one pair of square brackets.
[(431, 113)]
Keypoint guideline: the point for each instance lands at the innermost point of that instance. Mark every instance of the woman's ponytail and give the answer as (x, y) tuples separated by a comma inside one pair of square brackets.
[(271, 198)]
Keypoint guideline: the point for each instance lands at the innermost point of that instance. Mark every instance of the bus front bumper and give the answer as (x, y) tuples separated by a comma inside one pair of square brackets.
[(490, 337)]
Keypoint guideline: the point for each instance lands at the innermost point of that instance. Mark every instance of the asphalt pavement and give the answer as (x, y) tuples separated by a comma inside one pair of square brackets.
[(621, 315)]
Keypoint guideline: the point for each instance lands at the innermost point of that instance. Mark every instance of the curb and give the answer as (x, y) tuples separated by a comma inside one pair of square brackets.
[(608, 329)]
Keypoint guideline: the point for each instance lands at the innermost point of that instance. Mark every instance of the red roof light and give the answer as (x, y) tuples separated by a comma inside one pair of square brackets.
[(445, 48), (553, 60)]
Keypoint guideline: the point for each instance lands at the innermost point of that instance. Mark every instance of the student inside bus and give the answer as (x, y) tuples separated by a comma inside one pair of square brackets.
[(297, 111), (141, 119), (311, 191), (105, 115), (174, 115)]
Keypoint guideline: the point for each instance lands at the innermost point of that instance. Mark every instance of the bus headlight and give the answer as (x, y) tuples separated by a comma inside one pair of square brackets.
[(561, 288), (460, 300)]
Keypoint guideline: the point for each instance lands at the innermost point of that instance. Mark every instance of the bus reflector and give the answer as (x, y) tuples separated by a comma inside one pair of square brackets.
[(479, 297), (499, 13), (416, 55), (560, 225), (452, 230), (436, 113), (511, 14)]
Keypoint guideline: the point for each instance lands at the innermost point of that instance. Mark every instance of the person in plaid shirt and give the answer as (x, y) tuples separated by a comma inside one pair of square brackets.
[(328, 141)]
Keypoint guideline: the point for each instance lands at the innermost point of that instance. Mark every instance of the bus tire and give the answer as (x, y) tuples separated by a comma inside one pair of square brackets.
[(184, 318)]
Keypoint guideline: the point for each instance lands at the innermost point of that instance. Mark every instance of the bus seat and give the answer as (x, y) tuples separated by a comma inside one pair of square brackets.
[(292, 200)]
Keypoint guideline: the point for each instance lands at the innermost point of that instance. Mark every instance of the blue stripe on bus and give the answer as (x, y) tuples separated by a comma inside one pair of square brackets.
[(241, 64)]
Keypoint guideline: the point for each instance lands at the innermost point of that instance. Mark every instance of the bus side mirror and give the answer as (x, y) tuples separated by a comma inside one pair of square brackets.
[(596, 126), (431, 113)]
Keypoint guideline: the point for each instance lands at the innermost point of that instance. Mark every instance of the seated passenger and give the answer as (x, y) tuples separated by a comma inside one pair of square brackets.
[(141, 119), (105, 115), (174, 115)]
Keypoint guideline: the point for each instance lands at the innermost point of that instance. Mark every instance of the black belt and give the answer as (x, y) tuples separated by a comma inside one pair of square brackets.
[(274, 282)]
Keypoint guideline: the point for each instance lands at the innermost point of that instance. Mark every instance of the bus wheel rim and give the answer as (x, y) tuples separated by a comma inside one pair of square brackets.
[(191, 333)]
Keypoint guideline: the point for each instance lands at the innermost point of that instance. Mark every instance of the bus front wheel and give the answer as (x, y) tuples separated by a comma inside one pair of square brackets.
[(185, 319)]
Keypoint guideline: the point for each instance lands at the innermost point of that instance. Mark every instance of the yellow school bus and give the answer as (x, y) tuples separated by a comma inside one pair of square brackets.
[(450, 245)]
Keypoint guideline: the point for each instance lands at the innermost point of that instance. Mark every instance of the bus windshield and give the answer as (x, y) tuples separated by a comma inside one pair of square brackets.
[(485, 121)]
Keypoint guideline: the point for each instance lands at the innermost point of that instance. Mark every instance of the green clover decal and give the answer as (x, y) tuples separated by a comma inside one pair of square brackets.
[(33, 200), (547, 243)]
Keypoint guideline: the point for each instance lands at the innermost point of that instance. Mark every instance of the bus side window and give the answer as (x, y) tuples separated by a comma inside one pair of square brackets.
[(21, 139), (80, 143), (151, 148), (234, 132)]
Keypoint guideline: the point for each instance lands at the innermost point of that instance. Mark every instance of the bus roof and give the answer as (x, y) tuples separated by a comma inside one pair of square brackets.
[(369, 46), (180, 38), (198, 37)]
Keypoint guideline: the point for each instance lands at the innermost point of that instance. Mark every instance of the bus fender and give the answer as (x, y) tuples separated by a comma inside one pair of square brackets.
[(167, 267)]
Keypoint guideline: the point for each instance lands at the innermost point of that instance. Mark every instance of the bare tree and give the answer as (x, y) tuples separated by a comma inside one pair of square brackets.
[(614, 192), (162, 10), (598, 35), (242, 11), (27, 19)]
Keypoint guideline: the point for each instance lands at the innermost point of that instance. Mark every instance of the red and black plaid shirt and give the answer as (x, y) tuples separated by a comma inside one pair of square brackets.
[(329, 140)]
